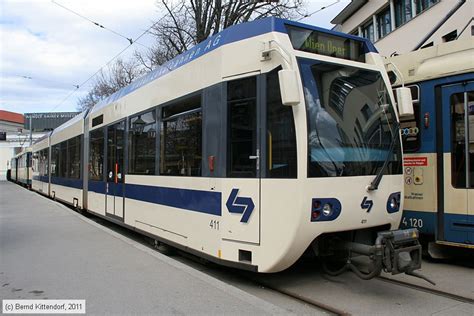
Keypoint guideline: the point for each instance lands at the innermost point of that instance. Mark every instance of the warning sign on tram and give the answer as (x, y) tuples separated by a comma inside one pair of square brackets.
[(415, 161)]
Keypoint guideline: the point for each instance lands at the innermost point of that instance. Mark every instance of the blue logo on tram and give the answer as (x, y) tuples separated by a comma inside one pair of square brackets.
[(367, 204), (240, 205)]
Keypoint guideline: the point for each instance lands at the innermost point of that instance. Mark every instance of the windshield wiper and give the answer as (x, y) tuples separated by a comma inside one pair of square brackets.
[(374, 185)]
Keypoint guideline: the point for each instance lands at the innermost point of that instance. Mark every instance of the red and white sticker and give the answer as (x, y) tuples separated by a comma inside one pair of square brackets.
[(415, 161)]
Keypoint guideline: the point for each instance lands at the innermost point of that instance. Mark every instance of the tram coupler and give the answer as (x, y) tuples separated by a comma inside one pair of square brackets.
[(401, 250), (394, 251)]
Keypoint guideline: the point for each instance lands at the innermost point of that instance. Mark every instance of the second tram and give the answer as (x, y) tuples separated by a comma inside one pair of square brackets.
[(438, 143)]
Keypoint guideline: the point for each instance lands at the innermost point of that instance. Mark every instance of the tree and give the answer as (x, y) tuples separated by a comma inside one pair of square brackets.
[(115, 77), (187, 23)]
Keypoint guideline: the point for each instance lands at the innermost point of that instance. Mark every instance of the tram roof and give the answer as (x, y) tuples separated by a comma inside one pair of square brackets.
[(229, 35), (445, 59), (71, 122), (43, 137)]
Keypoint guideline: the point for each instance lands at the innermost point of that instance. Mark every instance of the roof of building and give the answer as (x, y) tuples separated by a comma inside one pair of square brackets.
[(12, 117), (348, 11)]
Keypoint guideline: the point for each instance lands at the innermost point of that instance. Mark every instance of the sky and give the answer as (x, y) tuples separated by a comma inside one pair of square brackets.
[(46, 51)]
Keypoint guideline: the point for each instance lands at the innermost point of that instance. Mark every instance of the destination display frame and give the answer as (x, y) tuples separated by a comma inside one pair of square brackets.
[(323, 43)]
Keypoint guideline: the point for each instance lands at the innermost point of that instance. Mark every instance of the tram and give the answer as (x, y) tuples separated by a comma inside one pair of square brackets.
[(268, 139), (21, 171), (40, 166), (438, 142)]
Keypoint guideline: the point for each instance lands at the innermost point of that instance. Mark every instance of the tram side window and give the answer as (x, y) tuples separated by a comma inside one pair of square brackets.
[(63, 159), (96, 155), (142, 143), (36, 162), (181, 138), (45, 162), (410, 126), (74, 158), (281, 138), (55, 150), (42, 168)]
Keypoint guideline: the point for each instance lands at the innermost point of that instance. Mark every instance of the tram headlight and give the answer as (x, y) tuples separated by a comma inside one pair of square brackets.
[(393, 202), (327, 209)]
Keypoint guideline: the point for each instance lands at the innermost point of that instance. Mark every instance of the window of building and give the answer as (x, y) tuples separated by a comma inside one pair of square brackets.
[(402, 12), (281, 139), (422, 5), (368, 31), (384, 22), (96, 155), (142, 146), (181, 138)]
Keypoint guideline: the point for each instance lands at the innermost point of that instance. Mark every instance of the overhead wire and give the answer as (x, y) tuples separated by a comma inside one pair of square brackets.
[(131, 41), (318, 10), (93, 22), (108, 62), (44, 80)]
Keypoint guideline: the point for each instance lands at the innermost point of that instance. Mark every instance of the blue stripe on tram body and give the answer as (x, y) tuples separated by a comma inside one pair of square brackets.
[(96, 186), (41, 178), (193, 200), (72, 183)]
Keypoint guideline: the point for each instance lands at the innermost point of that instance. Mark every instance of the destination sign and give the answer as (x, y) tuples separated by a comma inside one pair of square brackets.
[(322, 43)]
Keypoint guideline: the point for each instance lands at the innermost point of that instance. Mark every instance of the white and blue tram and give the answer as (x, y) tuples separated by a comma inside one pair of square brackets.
[(40, 181), (439, 143), (269, 138), (21, 168)]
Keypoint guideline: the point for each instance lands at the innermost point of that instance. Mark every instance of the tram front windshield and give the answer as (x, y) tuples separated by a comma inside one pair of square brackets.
[(351, 121)]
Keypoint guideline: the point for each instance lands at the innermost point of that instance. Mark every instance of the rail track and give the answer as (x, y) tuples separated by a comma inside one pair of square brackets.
[(437, 292), (306, 300)]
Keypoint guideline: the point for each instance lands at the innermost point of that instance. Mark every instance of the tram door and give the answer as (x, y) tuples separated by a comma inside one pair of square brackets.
[(115, 167), (241, 218), (458, 156)]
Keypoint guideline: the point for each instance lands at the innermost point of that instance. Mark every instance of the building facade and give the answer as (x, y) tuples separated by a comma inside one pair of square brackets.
[(400, 26)]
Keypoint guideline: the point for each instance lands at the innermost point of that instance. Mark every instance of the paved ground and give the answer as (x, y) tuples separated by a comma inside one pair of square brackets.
[(48, 251), (452, 278)]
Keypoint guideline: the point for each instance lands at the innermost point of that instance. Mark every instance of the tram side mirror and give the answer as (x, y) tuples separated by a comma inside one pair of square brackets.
[(404, 101), (289, 90)]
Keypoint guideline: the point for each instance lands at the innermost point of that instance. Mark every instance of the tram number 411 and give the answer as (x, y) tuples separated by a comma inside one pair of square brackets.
[(413, 222), (214, 224)]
